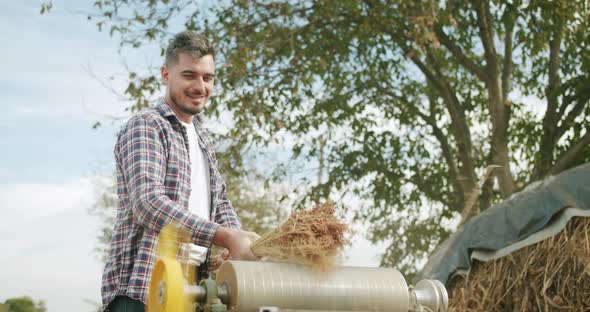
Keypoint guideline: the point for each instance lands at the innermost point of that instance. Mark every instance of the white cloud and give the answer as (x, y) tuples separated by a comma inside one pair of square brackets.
[(47, 240), (25, 202)]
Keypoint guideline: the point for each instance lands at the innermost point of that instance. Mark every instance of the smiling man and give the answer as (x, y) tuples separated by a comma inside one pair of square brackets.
[(167, 172)]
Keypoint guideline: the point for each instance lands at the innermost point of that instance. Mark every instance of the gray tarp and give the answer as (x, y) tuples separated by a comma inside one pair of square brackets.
[(511, 224)]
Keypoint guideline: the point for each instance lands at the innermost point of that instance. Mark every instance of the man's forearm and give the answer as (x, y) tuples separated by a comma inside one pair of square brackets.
[(155, 211)]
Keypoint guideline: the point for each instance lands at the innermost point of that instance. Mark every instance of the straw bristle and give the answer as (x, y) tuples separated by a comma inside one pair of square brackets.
[(308, 237), (551, 275)]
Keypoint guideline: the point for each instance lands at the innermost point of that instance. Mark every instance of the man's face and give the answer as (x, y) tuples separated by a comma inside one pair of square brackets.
[(189, 84)]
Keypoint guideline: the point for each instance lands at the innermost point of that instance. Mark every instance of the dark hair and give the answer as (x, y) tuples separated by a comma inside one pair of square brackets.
[(189, 42)]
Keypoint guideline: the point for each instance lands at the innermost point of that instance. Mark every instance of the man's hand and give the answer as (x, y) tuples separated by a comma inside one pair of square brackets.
[(236, 242)]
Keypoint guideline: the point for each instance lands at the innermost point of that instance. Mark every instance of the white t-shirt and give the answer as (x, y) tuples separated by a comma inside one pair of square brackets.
[(200, 197)]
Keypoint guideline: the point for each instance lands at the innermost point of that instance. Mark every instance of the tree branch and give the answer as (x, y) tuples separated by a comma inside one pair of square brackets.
[(568, 121), (458, 125), (581, 89), (553, 73), (427, 71), (474, 68), (486, 33), (508, 48), (581, 96), (447, 150), (549, 137), (567, 158)]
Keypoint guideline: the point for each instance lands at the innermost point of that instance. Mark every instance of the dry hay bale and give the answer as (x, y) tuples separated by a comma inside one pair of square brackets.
[(552, 275)]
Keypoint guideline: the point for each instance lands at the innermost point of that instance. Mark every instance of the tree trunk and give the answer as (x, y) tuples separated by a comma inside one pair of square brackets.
[(500, 116), (549, 138), (499, 110)]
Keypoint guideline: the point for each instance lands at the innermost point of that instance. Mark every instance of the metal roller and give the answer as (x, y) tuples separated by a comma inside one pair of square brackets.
[(248, 286), (292, 287)]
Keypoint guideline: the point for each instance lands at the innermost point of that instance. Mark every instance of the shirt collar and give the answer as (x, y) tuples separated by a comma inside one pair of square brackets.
[(165, 111)]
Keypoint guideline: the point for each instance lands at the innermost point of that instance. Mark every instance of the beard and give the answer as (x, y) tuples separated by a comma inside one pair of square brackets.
[(187, 107)]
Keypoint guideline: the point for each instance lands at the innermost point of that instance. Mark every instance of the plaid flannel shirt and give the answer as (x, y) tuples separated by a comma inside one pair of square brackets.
[(153, 185)]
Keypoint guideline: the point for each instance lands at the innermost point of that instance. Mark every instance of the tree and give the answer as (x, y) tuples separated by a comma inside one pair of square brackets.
[(413, 100), (261, 207), (24, 304)]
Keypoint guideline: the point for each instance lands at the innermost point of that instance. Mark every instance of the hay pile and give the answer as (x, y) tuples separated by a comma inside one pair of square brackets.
[(310, 237), (552, 275)]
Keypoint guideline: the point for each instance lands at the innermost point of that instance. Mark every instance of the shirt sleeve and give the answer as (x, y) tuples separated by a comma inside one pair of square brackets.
[(226, 214), (142, 157)]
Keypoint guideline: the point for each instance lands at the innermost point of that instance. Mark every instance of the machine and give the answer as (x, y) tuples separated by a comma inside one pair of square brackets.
[(250, 286)]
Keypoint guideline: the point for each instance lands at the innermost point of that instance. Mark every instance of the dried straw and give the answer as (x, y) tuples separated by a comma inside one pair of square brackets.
[(308, 237), (552, 275)]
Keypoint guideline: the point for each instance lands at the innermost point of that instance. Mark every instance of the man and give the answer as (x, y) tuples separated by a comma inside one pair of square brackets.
[(167, 172)]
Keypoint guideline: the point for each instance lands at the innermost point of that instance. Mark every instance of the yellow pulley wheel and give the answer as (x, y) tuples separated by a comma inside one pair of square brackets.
[(166, 292)]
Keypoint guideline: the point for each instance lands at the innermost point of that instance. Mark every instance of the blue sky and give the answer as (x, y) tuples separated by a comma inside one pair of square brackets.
[(51, 157), (46, 93)]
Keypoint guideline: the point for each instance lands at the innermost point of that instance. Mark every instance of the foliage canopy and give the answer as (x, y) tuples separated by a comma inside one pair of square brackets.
[(408, 102), (24, 304)]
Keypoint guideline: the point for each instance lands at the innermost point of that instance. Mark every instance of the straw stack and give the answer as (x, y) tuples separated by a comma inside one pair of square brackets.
[(552, 275)]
